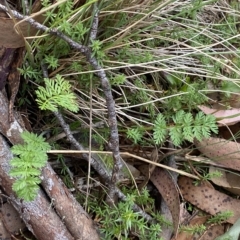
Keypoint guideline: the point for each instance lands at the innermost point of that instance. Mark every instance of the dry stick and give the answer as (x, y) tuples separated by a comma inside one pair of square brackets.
[(94, 28), (114, 141), (112, 118)]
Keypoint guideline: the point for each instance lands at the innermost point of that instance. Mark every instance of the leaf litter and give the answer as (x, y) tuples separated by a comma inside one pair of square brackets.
[(168, 190)]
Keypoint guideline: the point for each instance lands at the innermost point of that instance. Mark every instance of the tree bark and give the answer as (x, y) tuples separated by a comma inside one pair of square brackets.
[(38, 216), (75, 218)]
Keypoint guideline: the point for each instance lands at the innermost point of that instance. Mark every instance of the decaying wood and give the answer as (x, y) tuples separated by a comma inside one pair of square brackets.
[(76, 219), (37, 215)]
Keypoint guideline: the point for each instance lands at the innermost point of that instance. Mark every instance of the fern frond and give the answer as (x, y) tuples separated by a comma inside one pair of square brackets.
[(176, 135), (57, 93), (185, 127), (24, 173), (26, 188), (188, 133), (35, 140), (26, 167), (135, 134), (210, 121), (179, 117), (160, 129)]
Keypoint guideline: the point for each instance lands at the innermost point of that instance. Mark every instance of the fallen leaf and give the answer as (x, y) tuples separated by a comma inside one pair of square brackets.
[(194, 222), (167, 188), (10, 38), (229, 181), (6, 58), (208, 199), (225, 153), (227, 117), (212, 232)]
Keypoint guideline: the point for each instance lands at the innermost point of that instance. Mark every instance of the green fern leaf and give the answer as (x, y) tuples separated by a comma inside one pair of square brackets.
[(176, 135), (57, 93), (26, 167), (26, 189), (188, 119), (160, 129), (188, 133), (35, 140), (135, 134), (179, 117), (210, 121), (19, 150)]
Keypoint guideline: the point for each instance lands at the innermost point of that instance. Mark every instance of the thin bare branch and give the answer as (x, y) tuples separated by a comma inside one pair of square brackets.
[(94, 28)]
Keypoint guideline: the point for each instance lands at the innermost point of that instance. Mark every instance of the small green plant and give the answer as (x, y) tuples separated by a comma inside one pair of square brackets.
[(208, 177), (57, 93), (65, 172), (121, 222), (220, 217), (31, 156), (26, 166), (135, 134), (183, 127), (193, 229)]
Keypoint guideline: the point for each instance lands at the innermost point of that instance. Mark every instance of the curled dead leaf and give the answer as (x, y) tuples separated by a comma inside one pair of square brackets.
[(223, 152), (229, 181)]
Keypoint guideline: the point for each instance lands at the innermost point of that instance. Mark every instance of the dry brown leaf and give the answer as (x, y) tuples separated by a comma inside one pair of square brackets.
[(225, 153), (229, 181), (230, 117), (11, 219), (167, 188), (213, 232), (6, 58), (151, 167), (10, 38), (208, 199)]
